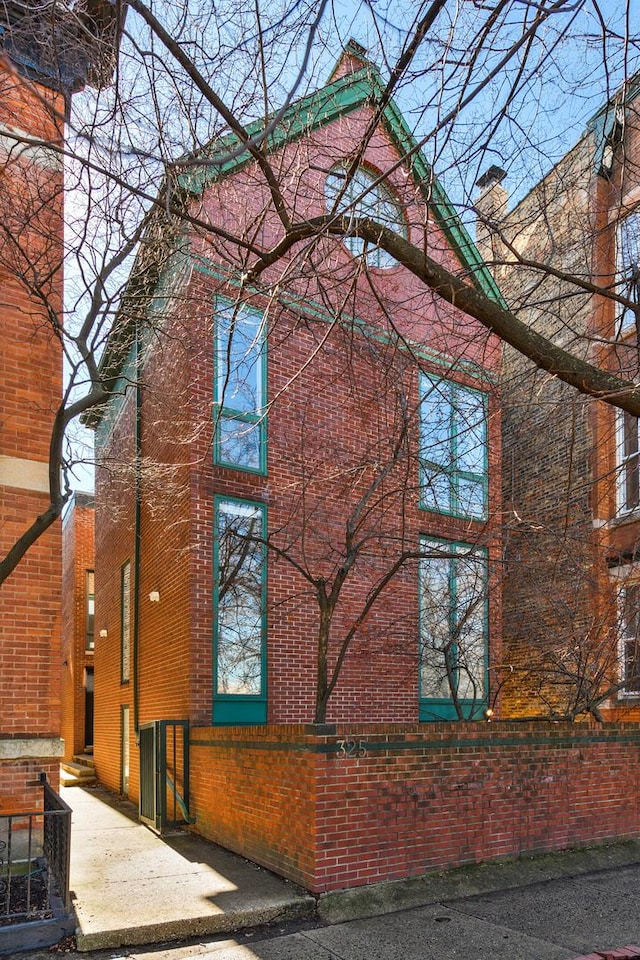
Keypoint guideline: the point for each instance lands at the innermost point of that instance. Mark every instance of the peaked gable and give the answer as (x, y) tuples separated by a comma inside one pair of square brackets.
[(343, 95)]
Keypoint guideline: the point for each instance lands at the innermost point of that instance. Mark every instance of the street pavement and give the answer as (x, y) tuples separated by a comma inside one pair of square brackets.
[(145, 898)]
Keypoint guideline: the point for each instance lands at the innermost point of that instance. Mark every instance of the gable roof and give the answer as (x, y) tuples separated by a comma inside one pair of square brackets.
[(348, 92), (338, 98)]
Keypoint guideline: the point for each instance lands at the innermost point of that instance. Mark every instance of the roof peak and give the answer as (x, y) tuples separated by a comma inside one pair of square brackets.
[(354, 57)]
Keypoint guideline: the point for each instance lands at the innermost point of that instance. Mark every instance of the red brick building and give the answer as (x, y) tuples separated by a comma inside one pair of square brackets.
[(572, 594), (45, 57), (298, 479), (78, 591)]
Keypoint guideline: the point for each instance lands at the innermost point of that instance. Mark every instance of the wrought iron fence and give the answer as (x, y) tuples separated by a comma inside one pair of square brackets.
[(35, 849)]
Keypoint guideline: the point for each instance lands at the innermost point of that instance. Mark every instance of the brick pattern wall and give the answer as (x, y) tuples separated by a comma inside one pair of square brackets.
[(78, 556), (31, 385), (331, 425), (20, 788), (418, 798), (115, 544), (560, 449)]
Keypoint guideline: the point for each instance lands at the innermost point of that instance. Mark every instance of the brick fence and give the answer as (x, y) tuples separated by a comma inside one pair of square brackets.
[(341, 806)]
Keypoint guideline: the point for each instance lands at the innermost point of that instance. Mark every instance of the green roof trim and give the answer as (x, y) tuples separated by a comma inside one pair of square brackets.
[(324, 106), (314, 311)]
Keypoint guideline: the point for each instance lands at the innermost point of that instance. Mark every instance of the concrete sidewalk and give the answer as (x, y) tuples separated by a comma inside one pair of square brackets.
[(132, 888), (129, 886)]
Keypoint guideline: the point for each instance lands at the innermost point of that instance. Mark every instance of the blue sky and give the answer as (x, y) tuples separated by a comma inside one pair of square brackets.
[(523, 119)]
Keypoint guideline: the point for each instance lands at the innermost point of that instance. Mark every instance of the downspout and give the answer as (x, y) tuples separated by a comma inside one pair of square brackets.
[(137, 533)]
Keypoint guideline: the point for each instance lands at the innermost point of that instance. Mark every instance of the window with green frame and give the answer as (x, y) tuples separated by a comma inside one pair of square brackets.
[(239, 607), (453, 607), (239, 387), (453, 448)]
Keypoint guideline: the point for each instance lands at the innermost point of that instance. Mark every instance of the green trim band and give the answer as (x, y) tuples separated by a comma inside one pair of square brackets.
[(563, 742), (362, 88), (314, 311)]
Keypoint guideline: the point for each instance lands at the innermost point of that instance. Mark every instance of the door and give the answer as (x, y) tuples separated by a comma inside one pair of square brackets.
[(88, 707)]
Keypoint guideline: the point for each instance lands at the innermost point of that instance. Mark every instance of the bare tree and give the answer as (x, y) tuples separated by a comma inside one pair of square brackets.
[(196, 90)]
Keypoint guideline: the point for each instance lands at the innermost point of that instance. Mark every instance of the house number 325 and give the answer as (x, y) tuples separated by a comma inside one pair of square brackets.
[(351, 748)]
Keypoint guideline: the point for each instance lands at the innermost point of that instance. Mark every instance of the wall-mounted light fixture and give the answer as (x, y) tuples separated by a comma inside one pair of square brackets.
[(154, 596), (103, 634)]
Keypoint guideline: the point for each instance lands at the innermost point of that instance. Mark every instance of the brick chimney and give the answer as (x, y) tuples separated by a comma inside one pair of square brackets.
[(491, 207)]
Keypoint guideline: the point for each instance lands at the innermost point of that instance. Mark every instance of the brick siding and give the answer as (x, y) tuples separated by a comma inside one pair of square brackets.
[(422, 799), (78, 556), (31, 385)]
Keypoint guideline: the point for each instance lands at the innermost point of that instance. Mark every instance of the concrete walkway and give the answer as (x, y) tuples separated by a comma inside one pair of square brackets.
[(129, 886), (133, 890)]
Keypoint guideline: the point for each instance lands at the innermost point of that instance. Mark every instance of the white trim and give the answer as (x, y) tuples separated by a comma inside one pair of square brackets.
[(30, 475), (31, 748), (624, 320), (626, 575), (18, 145)]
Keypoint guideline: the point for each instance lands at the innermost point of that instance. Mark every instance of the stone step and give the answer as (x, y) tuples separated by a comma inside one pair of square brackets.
[(79, 770), (69, 780), (84, 759)]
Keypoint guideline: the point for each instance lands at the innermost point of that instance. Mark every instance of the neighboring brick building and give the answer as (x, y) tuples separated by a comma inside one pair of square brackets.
[(46, 55), (572, 593), (319, 425), (78, 557)]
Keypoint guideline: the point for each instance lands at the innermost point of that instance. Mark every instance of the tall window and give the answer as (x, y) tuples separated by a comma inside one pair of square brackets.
[(125, 622), (453, 448), (239, 612), (628, 450), (89, 609), (630, 639), (628, 267), (453, 629), (240, 375)]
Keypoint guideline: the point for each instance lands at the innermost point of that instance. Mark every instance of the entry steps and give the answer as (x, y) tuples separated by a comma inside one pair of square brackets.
[(78, 772)]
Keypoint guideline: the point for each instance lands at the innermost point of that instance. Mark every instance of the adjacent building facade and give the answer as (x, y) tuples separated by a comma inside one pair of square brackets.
[(571, 489), (46, 55), (78, 640)]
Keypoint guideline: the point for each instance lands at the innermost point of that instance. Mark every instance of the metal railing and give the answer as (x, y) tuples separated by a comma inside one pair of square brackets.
[(164, 773), (35, 848)]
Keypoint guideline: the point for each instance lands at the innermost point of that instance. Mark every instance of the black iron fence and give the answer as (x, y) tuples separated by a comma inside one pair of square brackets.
[(164, 773), (35, 849)]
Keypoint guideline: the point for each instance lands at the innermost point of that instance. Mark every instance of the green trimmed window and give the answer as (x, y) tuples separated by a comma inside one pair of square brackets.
[(453, 448), (125, 622), (239, 612), (453, 630), (240, 387)]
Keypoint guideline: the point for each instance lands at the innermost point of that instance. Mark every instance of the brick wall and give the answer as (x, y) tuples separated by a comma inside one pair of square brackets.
[(30, 388), (78, 556), (20, 787), (340, 380), (559, 478), (418, 798)]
